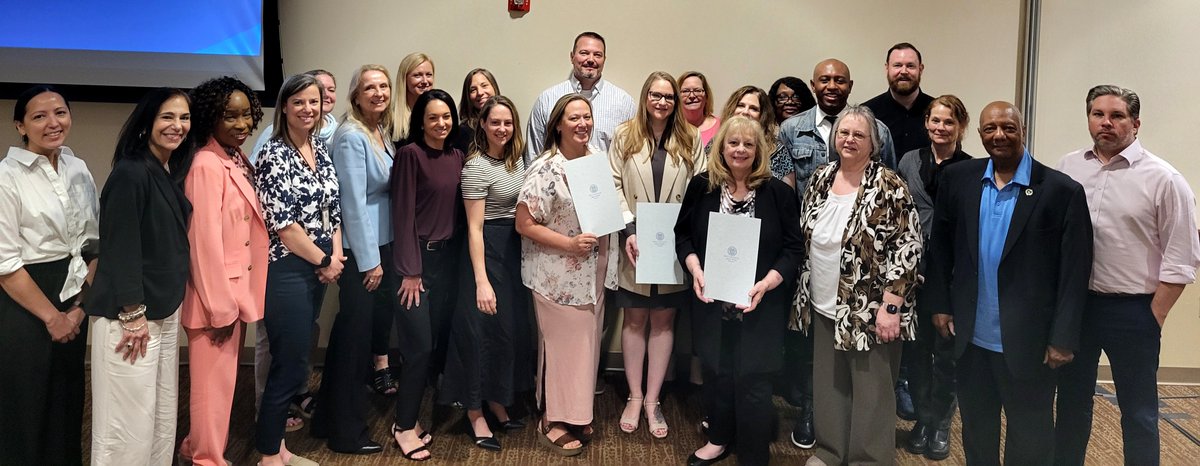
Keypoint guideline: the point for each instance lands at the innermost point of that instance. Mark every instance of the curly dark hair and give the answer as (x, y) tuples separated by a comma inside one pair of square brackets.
[(208, 105)]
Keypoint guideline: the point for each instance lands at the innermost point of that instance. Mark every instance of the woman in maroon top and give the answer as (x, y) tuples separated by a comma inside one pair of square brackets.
[(426, 215)]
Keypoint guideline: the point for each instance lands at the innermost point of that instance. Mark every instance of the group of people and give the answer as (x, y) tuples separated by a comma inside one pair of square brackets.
[(880, 240)]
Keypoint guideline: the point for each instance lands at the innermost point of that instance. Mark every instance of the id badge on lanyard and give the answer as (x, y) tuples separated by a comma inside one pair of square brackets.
[(325, 219)]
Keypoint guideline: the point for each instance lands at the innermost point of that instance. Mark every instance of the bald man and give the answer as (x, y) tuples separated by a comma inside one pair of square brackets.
[(1006, 278), (805, 137)]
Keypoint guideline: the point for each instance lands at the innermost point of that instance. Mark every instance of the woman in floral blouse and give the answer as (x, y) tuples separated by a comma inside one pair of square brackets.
[(567, 269), (299, 193), (863, 239)]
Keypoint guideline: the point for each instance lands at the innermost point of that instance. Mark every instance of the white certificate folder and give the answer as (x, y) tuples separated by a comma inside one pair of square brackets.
[(731, 257), (590, 180), (656, 262)]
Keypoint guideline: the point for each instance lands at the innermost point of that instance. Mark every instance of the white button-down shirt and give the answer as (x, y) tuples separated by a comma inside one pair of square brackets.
[(47, 215), (611, 106)]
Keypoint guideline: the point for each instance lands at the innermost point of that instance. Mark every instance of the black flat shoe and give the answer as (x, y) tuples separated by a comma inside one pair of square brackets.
[(511, 424), (694, 460), (486, 443), (369, 449)]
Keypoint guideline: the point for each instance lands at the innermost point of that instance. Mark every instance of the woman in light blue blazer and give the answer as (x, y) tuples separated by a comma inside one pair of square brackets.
[(362, 153)]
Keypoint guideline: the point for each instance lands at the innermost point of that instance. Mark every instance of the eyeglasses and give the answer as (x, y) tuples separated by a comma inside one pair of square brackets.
[(691, 91), (784, 99), (846, 134), (660, 97)]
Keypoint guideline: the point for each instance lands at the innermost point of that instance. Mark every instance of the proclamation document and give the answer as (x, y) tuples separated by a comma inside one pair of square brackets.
[(656, 262), (731, 258), (590, 180)]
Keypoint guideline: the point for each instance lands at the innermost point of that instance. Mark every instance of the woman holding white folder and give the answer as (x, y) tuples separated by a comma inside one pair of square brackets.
[(740, 346), (568, 270), (653, 156)]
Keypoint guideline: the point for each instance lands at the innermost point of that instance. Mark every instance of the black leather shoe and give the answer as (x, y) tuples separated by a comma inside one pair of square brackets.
[(486, 443), (939, 444), (918, 439), (369, 449), (904, 402), (694, 460), (802, 432), (511, 424)]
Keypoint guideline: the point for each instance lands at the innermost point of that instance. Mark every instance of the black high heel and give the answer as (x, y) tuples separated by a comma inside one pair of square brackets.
[(409, 454)]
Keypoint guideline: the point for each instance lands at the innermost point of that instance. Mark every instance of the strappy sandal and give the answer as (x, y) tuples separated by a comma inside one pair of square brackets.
[(411, 455), (304, 404), (658, 422), (558, 445), (383, 384), (630, 425), (294, 421)]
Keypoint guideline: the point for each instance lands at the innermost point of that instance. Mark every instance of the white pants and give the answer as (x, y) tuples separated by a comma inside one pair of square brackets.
[(134, 406)]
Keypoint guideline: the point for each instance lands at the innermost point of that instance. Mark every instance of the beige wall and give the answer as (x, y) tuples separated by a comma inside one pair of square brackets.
[(738, 43), (1149, 47)]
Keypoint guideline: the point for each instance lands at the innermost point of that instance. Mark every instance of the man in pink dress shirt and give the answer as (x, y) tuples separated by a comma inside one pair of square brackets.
[(1145, 251)]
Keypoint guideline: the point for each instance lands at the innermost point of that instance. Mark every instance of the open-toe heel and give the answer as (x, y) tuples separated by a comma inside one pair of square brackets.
[(656, 422), (629, 425)]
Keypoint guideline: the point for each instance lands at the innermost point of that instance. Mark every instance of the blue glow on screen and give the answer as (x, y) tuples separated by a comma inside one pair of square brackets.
[(210, 27)]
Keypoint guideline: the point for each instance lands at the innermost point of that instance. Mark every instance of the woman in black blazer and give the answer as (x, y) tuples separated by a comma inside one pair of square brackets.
[(139, 285), (740, 346)]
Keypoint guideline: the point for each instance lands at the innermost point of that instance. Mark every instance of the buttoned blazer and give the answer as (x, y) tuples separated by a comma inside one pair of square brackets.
[(780, 248), (1043, 271), (229, 244), (634, 179)]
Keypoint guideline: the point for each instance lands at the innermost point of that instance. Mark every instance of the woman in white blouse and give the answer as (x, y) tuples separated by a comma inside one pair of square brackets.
[(48, 233)]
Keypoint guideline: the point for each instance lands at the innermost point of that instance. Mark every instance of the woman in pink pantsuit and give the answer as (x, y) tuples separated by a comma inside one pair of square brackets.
[(228, 260)]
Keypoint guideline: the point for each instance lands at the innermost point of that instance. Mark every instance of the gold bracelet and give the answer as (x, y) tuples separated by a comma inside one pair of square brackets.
[(131, 330)]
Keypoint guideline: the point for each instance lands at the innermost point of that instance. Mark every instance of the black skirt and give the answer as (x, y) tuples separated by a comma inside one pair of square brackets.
[(491, 356), (676, 300)]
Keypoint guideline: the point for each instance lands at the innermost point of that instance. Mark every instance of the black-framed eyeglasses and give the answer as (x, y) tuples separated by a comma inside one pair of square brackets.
[(784, 99), (692, 91), (660, 97)]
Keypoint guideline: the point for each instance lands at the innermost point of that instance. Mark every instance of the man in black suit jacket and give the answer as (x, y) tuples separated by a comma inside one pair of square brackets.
[(1009, 261)]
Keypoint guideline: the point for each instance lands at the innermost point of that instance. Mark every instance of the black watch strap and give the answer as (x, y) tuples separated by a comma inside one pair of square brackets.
[(325, 261)]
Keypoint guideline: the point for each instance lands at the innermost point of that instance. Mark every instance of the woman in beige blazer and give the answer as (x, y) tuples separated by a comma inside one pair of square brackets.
[(653, 157)]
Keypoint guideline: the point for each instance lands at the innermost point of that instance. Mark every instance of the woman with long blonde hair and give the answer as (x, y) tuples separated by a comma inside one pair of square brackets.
[(413, 78)]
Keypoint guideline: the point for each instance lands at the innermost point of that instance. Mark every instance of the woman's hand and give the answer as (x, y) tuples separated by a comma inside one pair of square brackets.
[(485, 298), (887, 325), (631, 249), (220, 335), (133, 342), (410, 291), (372, 278), (331, 273), (61, 328), (693, 266), (761, 287), (583, 244)]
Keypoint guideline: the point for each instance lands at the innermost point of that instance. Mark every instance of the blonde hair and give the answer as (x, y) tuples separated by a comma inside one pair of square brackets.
[(354, 115), (553, 138), (718, 171), (400, 90), (515, 149), (635, 134)]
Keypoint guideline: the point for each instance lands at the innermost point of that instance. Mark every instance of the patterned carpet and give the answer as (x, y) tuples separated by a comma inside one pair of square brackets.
[(1180, 430)]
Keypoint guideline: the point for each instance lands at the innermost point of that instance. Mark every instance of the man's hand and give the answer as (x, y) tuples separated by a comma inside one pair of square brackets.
[(944, 324)]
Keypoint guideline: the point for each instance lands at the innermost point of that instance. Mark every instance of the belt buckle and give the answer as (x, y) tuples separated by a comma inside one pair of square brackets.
[(433, 245)]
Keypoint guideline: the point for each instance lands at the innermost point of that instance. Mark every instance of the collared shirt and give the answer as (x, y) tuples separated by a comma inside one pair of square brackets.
[(824, 126), (47, 215), (611, 106), (995, 213), (1143, 220), (906, 124)]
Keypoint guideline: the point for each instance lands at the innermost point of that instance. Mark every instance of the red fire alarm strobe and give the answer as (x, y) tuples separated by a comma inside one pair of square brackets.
[(518, 5)]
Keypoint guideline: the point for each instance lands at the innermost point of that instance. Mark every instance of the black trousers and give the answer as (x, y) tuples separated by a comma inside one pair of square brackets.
[(739, 405), (986, 386), (424, 329), (343, 404), (931, 374), (796, 381), (41, 382)]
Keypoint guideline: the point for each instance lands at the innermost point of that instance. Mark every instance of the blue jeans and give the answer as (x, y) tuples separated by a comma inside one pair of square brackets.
[(293, 301), (1125, 329)]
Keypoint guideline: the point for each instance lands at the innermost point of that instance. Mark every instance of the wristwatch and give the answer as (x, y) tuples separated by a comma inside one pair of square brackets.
[(892, 308), (325, 261)]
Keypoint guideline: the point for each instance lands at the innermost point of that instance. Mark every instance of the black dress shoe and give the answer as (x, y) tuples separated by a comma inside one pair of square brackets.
[(939, 444), (369, 449), (802, 433), (918, 439), (904, 402), (486, 443), (694, 460), (511, 424)]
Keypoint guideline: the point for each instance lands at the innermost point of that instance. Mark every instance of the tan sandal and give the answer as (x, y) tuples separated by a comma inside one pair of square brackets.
[(630, 425), (656, 423)]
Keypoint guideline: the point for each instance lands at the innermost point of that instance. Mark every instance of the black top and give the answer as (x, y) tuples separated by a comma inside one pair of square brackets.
[(143, 241), (907, 125)]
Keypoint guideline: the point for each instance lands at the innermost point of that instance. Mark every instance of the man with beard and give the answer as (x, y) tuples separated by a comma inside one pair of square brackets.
[(804, 137), (902, 107), (611, 105), (1146, 251)]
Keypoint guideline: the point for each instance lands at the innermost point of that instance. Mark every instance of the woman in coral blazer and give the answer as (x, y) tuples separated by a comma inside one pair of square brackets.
[(229, 246)]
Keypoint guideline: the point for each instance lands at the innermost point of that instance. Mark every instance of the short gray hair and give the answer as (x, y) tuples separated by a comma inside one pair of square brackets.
[(865, 113), (1132, 103)]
